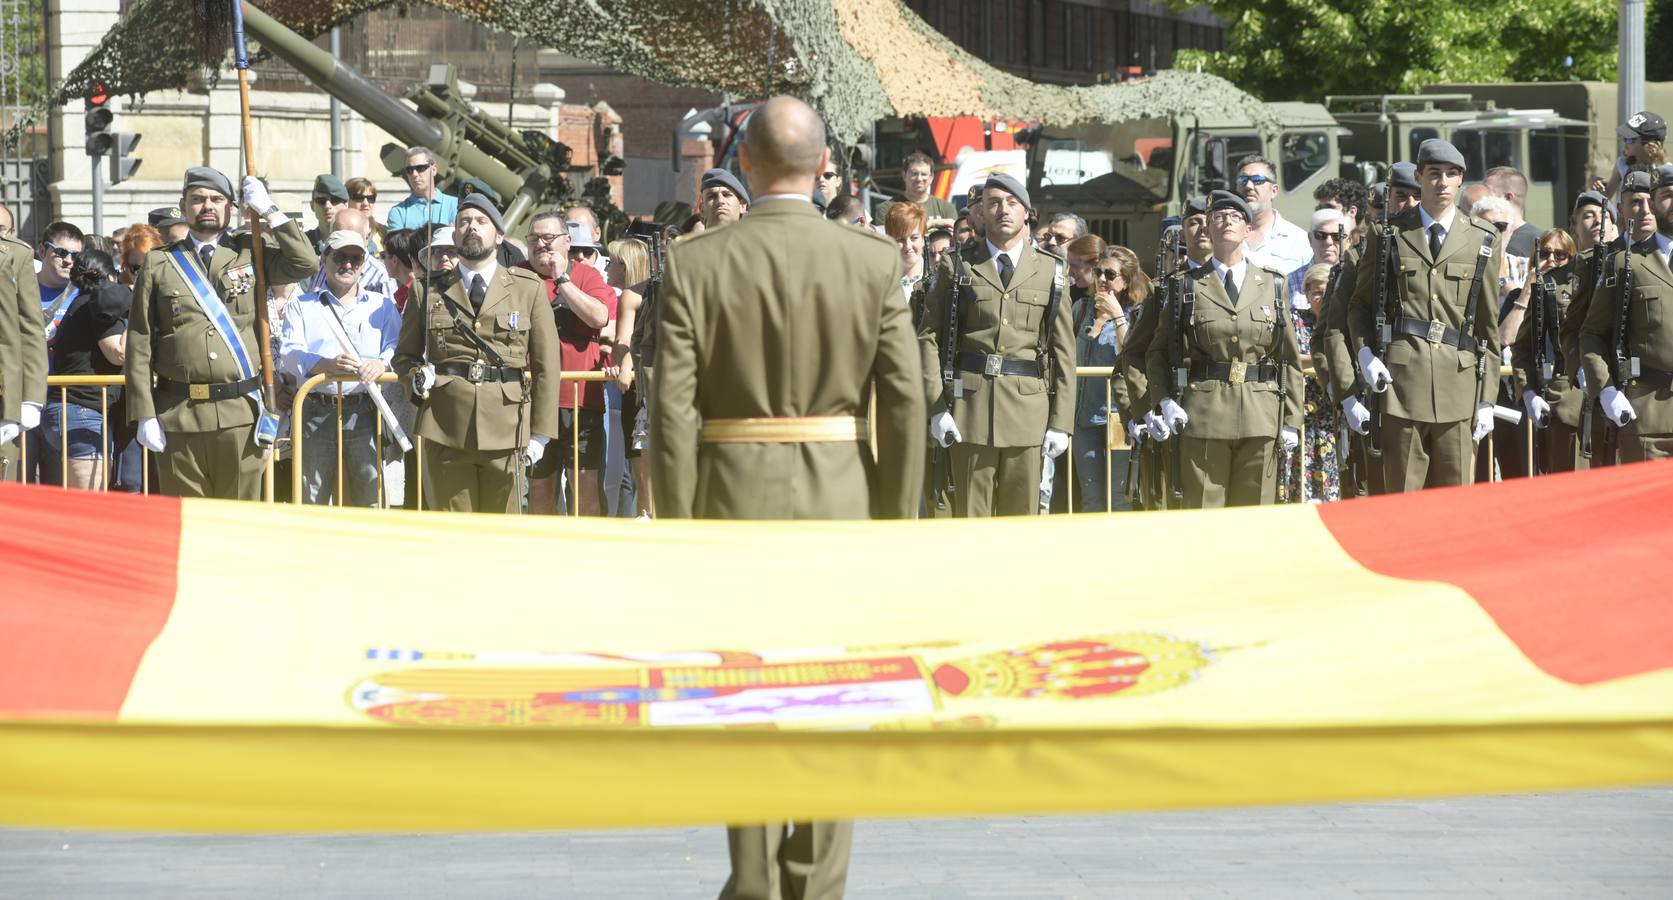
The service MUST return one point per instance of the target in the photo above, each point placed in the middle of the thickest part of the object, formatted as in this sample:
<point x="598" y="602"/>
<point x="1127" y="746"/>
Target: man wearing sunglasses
<point x="425" y="207"/>
<point x="1432" y="377"/>
<point x="330" y="198"/>
<point x="57" y="254"/>
<point x="1274" y="242"/>
<point x="193" y="328"/>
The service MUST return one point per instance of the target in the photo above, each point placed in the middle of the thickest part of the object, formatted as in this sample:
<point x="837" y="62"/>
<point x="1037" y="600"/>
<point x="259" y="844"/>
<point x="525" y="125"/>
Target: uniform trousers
<point x="461" y="480"/>
<point x="1636" y="447"/>
<point x="1220" y="473"/>
<point x="1417" y="455"/>
<point x="224" y="464"/>
<point x="788" y="861"/>
<point x="995" y="481"/>
<point x="1557" y="448"/>
<point x="1369" y="468"/>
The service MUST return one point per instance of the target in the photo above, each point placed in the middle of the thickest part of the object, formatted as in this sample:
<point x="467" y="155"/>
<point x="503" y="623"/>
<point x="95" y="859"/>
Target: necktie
<point x="206" y="253"/>
<point x="479" y="290"/>
<point x="1231" y="287"/>
<point x="1436" y="236"/>
<point x="1005" y="269"/>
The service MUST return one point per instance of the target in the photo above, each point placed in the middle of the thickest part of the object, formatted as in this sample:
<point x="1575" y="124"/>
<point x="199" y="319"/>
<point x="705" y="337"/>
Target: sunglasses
<point x="58" y="251"/>
<point x="1328" y="235"/>
<point x="1502" y="226"/>
<point x="1554" y="254"/>
<point x="355" y="260"/>
<point x="364" y="198"/>
<point x="421" y="167"/>
<point x="1632" y="140"/>
<point x="1108" y="274"/>
<point x="582" y="251"/>
<point x="827" y="175"/>
<point x="552" y="238"/>
<point x="1253" y="179"/>
<point x="1050" y="238"/>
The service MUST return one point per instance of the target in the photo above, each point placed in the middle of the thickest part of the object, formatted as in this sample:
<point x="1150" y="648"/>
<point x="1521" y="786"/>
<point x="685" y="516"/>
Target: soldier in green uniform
<point x="1543" y="377"/>
<point x="1628" y="353"/>
<point x="1637" y="222"/>
<point x="192" y="328"/>
<point x="998" y="350"/>
<point x="775" y="331"/>
<point x="1391" y="198"/>
<point x="1436" y="327"/>
<point x="1137" y="398"/>
<point x="1243" y="389"/>
<point x="480" y="346"/>
<point x="22" y="352"/>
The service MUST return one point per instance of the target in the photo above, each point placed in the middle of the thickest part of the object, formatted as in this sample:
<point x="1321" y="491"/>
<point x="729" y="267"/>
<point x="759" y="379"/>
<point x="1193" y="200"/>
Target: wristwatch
<point x="562" y="279"/>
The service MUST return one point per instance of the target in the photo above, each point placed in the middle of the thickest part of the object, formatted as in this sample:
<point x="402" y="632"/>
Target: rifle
<point x="1169" y="249"/>
<point x="1626" y="365"/>
<point x="1382" y="332"/>
<point x="941" y="469"/>
<point x="1600" y="253"/>
<point x="1184" y="317"/>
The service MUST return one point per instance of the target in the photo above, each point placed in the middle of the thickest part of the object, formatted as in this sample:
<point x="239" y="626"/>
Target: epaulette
<point x="1481" y="224"/>
<point x="1050" y="251"/>
<point x="527" y="274"/>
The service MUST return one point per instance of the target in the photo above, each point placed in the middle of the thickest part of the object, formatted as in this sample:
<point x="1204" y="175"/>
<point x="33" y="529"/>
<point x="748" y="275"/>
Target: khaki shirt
<point x="1433" y="382"/>
<point x="172" y="338"/>
<point x="1003" y="410"/>
<point x="516" y="321"/>
<point x="1256" y="329"/>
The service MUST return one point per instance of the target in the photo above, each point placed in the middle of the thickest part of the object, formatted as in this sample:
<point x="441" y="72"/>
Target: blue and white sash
<point x="56" y="313"/>
<point x="197" y="283"/>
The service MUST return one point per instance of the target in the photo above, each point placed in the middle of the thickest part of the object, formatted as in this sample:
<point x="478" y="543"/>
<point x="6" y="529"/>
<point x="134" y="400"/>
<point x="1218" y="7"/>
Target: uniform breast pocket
<point x="1030" y="309"/>
<point x="1646" y="311"/>
<point x="1214" y="329"/>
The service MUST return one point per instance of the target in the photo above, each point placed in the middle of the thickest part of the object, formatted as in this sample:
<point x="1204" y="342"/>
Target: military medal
<point x="511" y="322"/>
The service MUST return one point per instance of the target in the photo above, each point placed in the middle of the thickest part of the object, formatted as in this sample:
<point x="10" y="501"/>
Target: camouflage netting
<point x="856" y="61"/>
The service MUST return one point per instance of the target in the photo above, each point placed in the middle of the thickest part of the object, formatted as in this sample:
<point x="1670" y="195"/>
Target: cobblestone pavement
<point x="1603" y="844"/>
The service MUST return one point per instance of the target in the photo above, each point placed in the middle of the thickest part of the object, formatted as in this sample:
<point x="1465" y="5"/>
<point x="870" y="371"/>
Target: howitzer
<point x="525" y="168"/>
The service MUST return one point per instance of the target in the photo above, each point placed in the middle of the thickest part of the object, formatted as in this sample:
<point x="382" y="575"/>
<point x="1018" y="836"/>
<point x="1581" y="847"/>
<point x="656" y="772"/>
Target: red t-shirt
<point x="578" y="346"/>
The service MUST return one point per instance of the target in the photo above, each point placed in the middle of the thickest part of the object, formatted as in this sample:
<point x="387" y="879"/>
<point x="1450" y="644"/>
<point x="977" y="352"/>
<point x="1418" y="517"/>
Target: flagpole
<point x="241" y="60"/>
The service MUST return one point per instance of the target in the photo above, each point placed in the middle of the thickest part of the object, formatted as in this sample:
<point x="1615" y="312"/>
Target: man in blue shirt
<point x="312" y="343"/>
<point x="426" y="205"/>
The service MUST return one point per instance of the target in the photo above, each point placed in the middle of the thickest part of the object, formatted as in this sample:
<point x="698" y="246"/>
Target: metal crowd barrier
<point x="1115" y="438"/>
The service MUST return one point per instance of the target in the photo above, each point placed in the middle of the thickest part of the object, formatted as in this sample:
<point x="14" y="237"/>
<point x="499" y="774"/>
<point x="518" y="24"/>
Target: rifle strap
<point x="950" y="336"/>
<point x="1488" y="241"/>
<point x="1043" y="342"/>
<point x="488" y="353"/>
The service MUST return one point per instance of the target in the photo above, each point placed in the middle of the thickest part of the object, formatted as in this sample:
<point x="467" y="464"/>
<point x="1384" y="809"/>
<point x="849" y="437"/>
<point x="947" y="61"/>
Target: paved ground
<point x="1583" y="845"/>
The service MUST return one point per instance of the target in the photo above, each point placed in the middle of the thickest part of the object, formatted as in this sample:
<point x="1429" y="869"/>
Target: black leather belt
<point x="1655" y="378"/>
<point x="1233" y="373"/>
<point x="1434" y="333"/>
<point x="478" y="372"/>
<point x="224" y="391"/>
<point x="991" y="364"/>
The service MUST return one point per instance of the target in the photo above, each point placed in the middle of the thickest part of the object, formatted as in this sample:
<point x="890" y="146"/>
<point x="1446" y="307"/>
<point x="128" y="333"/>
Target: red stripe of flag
<point x="1571" y="567"/>
<point x="86" y="584"/>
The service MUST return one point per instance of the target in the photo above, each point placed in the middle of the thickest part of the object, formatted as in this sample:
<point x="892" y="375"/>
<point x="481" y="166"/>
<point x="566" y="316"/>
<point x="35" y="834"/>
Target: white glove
<point x="1174" y="417"/>
<point x="1376" y="374"/>
<point x="423" y="379"/>
<point x="536" y="448"/>
<point x="1359" y="418"/>
<point x="1616" y="406"/>
<point x="1055" y="444"/>
<point x="1292" y="438"/>
<point x="30" y="416"/>
<point x="1158" y="429"/>
<point x="1580" y="379"/>
<point x="944" y="430"/>
<point x="1538" y="410"/>
<point x="257" y="198"/>
<point x="1483" y="421"/>
<point x="9" y="431"/>
<point x="1136" y="431"/>
<point x="151" y="435"/>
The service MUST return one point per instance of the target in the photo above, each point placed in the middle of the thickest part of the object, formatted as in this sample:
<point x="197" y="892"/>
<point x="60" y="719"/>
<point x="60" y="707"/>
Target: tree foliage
<point x="1305" y="49"/>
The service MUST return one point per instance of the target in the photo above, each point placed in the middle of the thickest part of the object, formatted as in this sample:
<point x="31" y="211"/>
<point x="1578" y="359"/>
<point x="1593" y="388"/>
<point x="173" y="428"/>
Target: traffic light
<point x="99" y="118"/>
<point x="122" y="163"/>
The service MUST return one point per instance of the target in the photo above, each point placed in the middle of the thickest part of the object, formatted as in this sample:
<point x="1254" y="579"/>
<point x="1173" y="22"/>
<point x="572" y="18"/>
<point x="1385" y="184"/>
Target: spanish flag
<point x="217" y="666"/>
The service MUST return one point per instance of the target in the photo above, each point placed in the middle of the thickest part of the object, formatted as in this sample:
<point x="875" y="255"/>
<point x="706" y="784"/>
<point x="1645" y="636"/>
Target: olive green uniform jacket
<point x="1649" y="336"/>
<point x="22" y="332"/>
<point x="783" y="314"/>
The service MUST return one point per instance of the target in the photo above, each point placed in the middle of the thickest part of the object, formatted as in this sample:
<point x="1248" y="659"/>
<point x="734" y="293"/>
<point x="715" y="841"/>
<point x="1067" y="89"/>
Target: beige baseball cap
<point x="337" y="240"/>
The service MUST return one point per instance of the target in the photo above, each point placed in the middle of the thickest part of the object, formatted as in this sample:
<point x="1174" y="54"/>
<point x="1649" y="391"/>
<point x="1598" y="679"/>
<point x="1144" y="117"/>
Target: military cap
<point x="1229" y="200"/>
<point x="1403" y="175"/>
<point x="205" y="177"/>
<point x="1379" y="195"/>
<point x="1438" y="152"/>
<point x="165" y="217"/>
<point x="481" y="203"/>
<point x="1196" y="206"/>
<point x="1638" y="181"/>
<point x="1645" y="126"/>
<point x="332" y="187"/>
<point x="1664" y="176"/>
<point x="1590" y="198"/>
<point x="726" y="180"/>
<point x="1009" y="185"/>
<point x="477" y="186"/>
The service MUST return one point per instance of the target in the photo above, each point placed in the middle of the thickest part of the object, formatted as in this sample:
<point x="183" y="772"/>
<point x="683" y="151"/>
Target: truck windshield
<point x="1128" y="161"/>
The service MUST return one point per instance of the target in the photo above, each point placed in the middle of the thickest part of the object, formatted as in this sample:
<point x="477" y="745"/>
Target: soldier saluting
<point x="1628" y="350"/>
<point x="1424" y="327"/>
<point x="480" y="346"/>
<point x="998" y="348"/>
<point x="1226" y="366"/>
<point x="192" y="327"/>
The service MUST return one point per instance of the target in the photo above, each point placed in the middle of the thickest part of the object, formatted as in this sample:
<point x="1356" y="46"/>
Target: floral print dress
<point x="1318" y="439"/>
